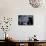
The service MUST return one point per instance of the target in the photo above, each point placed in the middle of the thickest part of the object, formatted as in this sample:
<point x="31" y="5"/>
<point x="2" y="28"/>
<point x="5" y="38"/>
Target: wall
<point x="12" y="8"/>
<point x="45" y="29"/>
<point x="7" y="9"/>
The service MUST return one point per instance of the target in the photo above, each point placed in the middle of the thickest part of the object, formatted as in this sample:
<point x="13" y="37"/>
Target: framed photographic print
<point x="25" y="19"/>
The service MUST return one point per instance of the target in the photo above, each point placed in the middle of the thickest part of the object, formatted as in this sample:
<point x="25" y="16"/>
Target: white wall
<point x="45" y="28"/>
<point x="24" y="32"/>
<point x="13" y="8"/>
<point x="7" y="9"/>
